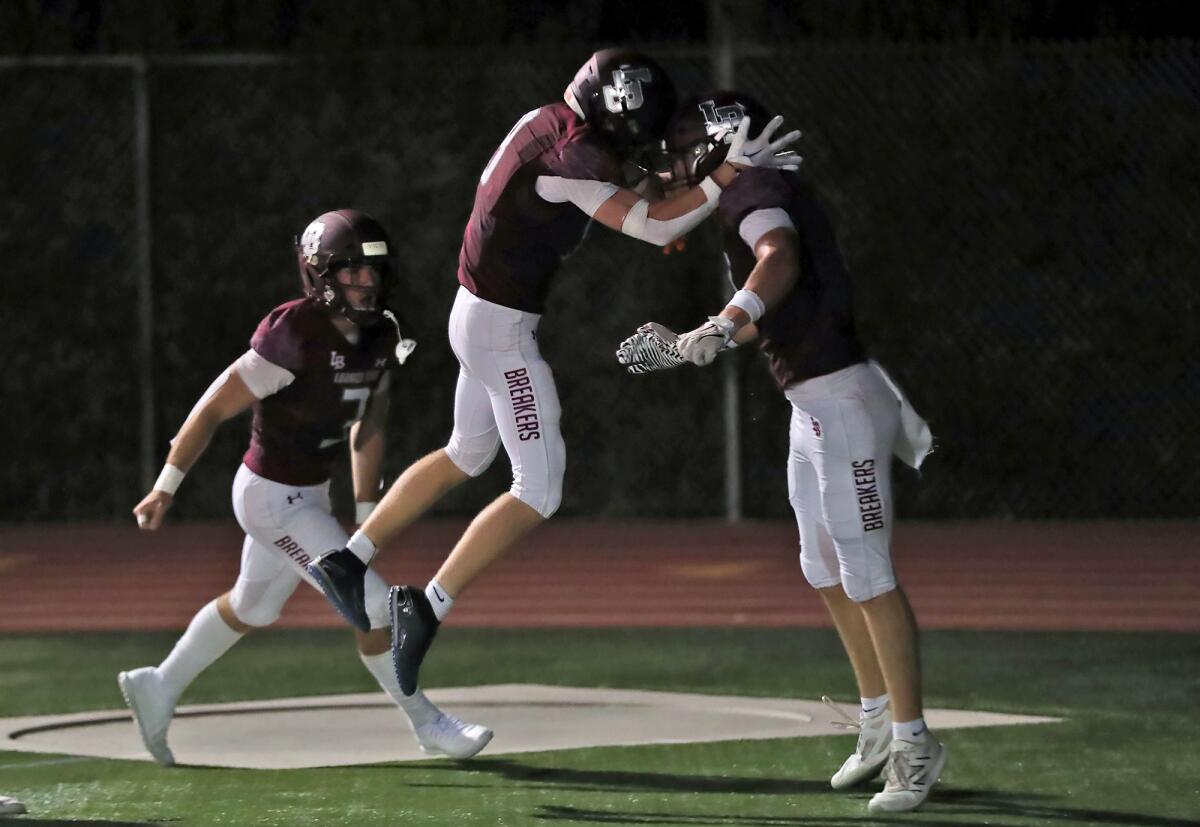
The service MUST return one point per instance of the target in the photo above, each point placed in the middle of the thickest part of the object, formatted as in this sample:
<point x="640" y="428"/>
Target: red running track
<point x="969" y="575"/>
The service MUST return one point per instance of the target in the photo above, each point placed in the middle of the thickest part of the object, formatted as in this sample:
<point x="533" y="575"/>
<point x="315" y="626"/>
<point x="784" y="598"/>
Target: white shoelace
<point x="847" y="722"/>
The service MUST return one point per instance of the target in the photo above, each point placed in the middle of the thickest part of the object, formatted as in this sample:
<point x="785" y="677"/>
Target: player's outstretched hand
<point x="152" y="509"/>
<point x="651" y="348"/>
<point x="762" y="151"/>
<point x="701" y="346"/>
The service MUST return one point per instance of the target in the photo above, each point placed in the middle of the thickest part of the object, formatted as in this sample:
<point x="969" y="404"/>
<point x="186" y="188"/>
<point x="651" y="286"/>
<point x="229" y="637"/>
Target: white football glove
<point x="701" y="346"/>
<point x="651" y="348"/>
<point x="762" y="152"/>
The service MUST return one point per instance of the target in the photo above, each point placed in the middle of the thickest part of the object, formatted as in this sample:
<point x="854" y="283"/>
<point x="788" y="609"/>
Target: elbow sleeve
<point x="639" y="225"/>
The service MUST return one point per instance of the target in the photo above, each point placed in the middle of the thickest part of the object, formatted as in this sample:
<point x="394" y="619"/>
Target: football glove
<point x="651" y="348"/>
<point x="762" y="152"/>
<point x="701" y="346"/>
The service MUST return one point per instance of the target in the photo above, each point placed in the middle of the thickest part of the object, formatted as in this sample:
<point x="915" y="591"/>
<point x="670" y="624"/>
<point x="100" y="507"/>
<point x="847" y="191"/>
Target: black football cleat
<point x="413" y="627"/>
<point x="342" y="576"/>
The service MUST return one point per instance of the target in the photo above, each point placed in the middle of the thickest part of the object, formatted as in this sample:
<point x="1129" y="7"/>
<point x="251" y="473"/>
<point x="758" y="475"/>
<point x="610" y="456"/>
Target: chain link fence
<point x="1019" y="222"/>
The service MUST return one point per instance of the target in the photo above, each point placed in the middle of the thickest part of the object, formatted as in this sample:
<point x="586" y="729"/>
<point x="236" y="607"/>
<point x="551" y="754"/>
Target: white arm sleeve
<point x="760" y="222"/>
<point x="585" y="194"/>
<point x="638" y="223"/>
<point x="263" y="378"/>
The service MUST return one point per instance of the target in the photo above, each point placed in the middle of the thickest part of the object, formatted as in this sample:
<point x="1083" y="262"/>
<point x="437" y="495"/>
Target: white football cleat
<point x="151" y="708"/>
<point x="871" y="752"/>
<point x="446" y="735"/>
<point x="912" y="769"/>
<point x="9" y="806"/>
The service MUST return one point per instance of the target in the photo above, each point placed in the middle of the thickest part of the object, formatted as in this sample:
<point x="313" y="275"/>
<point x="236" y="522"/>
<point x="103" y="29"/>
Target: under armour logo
<point x="625" y="93"/>
<point x="299" y="495"/>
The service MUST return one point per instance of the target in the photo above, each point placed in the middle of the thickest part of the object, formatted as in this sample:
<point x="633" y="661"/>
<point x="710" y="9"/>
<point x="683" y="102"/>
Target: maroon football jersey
<point x="515" y="240"/>
<point x="811" y="331"/>
<point x="298" y="431"/>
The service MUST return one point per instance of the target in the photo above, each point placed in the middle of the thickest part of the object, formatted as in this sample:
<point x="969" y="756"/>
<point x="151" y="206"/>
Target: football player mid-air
<point x="558" y="169"/>
<point x="793" y="293"/>
<point x="316" y="376"/>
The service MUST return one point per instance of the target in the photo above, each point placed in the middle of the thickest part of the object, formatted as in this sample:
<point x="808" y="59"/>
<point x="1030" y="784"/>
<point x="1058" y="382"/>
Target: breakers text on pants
<point x="870" y="507"/>
<point x="520" y="390"/>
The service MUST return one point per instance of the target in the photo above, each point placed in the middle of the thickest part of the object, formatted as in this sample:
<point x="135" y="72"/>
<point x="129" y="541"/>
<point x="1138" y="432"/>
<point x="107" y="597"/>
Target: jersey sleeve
<point x="582" y="158"/>
<point x="279" y="341"/>
<point x="261" y="376"/>
<point x="760" y="222"/>
<point x="753" y="189"/>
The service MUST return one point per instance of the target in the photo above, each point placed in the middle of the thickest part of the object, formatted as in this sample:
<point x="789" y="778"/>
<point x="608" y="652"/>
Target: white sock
<point x="207" y="637"/>
<point x="908" y="730"/>
<point x="874" y="706"/>
<point x="439" y="599"/>
<point x="420" y="710"/>
<point x="361" y="546"/>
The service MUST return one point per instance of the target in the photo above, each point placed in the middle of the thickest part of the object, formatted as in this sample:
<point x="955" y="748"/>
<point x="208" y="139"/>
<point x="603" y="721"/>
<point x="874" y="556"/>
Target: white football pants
<point x="287" y="527"/>
<point x="843" y="431"/>
<point x="506" y="395"/>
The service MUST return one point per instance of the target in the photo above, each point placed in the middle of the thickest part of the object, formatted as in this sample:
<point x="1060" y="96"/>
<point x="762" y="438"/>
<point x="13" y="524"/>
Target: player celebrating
<point x="848" y="418"/>
<point x="558" y="168"/>
<point x="316" y="375"/>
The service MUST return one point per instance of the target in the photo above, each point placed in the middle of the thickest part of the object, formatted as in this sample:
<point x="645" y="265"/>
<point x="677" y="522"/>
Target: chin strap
<point x="404" y="347"/>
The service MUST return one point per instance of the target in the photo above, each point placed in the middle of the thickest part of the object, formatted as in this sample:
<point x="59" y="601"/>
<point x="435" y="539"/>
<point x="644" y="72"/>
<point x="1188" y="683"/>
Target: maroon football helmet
<point x="344" y="238"/>
<point x="697" y="137"/>
<point x="625" y="95"/>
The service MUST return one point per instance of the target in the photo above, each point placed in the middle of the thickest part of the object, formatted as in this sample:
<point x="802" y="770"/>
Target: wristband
<point x="748" y="302"/>
<point x="169" y="479"/>
<point x="362" y="510"/>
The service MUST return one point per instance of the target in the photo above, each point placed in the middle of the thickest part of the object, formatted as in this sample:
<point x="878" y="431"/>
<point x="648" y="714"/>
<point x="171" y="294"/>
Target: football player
<point x="316" y="376"/>
<point x="793" y="293"/>
<point x="558" y="169"/>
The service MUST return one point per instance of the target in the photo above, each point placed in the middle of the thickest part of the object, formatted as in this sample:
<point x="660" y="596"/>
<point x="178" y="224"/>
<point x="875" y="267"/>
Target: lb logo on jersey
<point x="816" y="426"/>
<point x="310" y="242"/>
<point x="625" y="94"/>
<point x="336" y="360"/>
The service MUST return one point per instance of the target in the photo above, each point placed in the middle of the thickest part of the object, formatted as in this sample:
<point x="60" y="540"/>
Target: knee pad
<point x="253" y="604"/>
<point x="473" y="454"/>
<point x="543" y="496"/>
<point x="817" y="571"/>
<point x="861" y="589"/>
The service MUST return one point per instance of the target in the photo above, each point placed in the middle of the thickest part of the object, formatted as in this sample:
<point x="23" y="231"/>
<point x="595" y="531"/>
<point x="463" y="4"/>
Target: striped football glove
<point x="651" y="348"/>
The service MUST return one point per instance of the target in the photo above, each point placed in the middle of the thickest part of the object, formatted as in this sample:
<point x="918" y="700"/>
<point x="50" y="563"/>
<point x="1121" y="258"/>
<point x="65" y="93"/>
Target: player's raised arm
<point x="662" y="222"/>
<point x="249" y="378"/>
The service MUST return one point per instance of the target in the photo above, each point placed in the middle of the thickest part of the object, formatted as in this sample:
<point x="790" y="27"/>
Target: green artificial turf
<point x="1124" y="755"/>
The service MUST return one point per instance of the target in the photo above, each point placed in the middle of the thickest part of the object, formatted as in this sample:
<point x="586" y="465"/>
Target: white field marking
<point x="348" y="730"/>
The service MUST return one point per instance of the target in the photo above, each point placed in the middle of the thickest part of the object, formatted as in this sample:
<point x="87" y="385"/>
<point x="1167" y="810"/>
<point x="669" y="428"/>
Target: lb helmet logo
<point x="310" y="242"/>
<point x="625" y="93"/>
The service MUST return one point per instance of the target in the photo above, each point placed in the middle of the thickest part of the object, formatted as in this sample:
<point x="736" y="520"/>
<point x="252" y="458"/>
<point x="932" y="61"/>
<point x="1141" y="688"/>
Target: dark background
<point x="1015" y="187"/>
